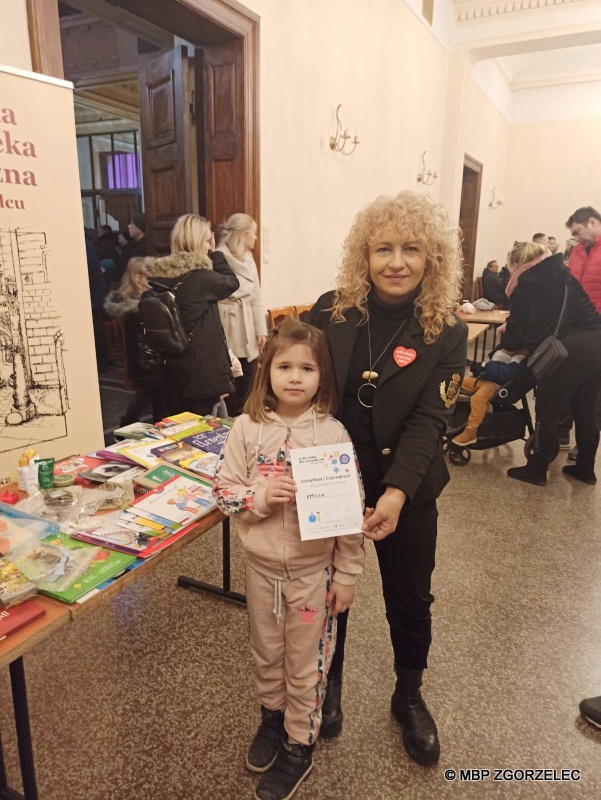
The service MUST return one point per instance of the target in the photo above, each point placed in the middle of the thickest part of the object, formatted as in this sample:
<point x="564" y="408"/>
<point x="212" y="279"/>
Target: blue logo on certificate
<point x="344" y="459"/>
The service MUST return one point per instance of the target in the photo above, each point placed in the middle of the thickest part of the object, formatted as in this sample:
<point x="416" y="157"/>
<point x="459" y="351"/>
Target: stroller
<point x="505" y="423"/>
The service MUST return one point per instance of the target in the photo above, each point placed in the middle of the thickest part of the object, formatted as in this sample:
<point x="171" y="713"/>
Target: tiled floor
<point x="151" y="697"/>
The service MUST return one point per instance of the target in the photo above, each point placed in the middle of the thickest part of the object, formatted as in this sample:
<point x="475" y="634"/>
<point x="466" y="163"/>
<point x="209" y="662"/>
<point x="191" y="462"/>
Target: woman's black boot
<point x="331" y="710"/>
<point x="420" y="736"/>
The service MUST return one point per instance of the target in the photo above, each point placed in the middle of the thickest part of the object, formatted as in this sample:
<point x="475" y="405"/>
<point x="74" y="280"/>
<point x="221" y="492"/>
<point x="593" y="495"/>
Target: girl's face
<point x="396" y="265"/>
<point x="249" y="238"/>
<point x="294" y="377"/>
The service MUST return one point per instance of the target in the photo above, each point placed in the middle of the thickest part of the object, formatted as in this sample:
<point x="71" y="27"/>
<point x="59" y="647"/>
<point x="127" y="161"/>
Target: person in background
<point x="145" y="367"/>
<point x="294" y="588"/>
<point x="242" y="314"/>
<point x="137" y="242"/>
<point x="201" y="376"/>
<point x="585" y="266"/>
<point x="399" y="355"/>
<point x="541" y="238"/>
<point x="536" y="301"/>
<point x="97" y="294"/>
<point x="493" y="287"/>
<point x="553" y="245"/>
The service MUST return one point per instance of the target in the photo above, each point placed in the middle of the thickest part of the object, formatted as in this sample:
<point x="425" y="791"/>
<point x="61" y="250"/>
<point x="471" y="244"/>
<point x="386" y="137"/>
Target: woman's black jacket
<point x="535" y="306"/>
<point x="203" y="372"/>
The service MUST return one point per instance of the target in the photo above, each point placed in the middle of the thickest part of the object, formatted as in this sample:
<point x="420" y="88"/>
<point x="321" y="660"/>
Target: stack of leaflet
<point x="153" y="521"/>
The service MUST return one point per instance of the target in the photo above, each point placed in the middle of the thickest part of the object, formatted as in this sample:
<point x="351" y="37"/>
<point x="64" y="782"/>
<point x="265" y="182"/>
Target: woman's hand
<point x="340" y="597"/>
<point x="381" y="521"/>
<point x="261" y="342"/>
<point x="280" y="491"/>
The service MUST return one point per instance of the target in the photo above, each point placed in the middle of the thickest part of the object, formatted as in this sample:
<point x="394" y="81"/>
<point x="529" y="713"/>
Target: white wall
<point x="553" y="168"/>
<point x="390" y="74"/>
<point x="14" y="35"/>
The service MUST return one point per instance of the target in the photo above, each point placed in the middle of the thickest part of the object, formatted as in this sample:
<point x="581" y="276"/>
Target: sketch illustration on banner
<point x="33" y="389"/>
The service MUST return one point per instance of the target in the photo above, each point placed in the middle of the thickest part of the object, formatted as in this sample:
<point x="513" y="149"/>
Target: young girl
<point x="145" y="367"/>
<point x="294" y="588"/>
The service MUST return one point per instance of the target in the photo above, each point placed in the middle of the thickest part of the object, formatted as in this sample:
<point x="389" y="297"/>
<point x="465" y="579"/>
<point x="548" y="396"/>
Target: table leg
<point x="21" y="712"/>
<point x="224" y="590"/>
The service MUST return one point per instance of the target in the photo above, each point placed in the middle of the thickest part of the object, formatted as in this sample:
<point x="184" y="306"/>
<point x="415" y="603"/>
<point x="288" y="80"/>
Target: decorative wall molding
<point x="468" y="10"/>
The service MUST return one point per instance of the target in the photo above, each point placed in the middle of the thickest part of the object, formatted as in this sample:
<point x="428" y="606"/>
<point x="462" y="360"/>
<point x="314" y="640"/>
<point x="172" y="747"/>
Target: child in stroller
<point x="504" y="382"/>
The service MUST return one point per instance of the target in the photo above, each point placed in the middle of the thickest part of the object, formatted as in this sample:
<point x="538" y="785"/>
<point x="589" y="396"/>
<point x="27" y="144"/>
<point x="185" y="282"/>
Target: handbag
<point x="550" y="353"/>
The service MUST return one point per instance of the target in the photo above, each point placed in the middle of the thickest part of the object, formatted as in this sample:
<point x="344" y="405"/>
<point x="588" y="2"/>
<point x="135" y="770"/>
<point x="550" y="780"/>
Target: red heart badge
<point x="403" y="357"/>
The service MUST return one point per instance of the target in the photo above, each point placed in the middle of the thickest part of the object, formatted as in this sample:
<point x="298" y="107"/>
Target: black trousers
<point x="406" y="559"/>
<point x="235" y="401"/>
<point x="576" y="384"/>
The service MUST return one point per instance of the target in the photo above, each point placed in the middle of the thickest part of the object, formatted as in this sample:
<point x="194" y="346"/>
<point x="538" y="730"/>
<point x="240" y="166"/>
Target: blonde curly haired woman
<point x="399" y="354"/>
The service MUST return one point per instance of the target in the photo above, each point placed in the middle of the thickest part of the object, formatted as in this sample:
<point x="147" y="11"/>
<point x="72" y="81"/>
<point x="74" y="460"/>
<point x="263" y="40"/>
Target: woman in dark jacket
<point x="493" y="286"/>
<point x="202" y="375"/>
<point x="399" y="354"/>
<point x="145" y="367"/>
<point x="536" y="300"/>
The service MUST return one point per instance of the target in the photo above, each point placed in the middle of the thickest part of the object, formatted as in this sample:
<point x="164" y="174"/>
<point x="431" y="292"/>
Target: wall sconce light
<point x="495" y="202"/>
<point x="339" y="141"/>
<point x="427" y="176"/>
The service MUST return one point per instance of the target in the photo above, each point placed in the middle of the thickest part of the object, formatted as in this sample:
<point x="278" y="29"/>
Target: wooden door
<point x="468" y="220"/>
<point x="222" y="177"/>
<point x="168" y="146"/>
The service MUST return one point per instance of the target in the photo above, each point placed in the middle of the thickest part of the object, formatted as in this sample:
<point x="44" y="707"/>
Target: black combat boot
<point x="292" y="765"/>
<point x="264" y="747"/>
<point x="420" y="736"/>
<point x="331" y="710"/>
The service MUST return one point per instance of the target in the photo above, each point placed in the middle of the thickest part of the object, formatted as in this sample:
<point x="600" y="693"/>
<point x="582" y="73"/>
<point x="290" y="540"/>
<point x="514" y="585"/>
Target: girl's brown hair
<point x="262" y="398"/>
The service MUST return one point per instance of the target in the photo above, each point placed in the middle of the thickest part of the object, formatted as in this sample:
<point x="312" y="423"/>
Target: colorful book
<point x="204" y="466"/>
<point x="106" y="564"/>
<point x="75" y="465"/>
<point x="157" y="475"/>
<point x="176" y="453"/>
<point x="15" y="618"/>
<point x="180" y="500"/>
<point x="209" y="441"/>
<point x="185" y="416"/>
<point x="127" y="541"/>
<point x="141" y="453"/>
<point x="138" y="430"/>
<point x="110" y="471"/>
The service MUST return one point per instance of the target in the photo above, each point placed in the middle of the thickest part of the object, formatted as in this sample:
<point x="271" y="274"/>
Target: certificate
<point x="327" y="490"/>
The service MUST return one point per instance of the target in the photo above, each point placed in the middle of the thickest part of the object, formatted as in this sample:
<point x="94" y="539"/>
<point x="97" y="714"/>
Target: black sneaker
<point x="264" y="747"/>
<point x="591" y="710"/>
<point x="584" y="475"/>
<point x="292" y="765"/>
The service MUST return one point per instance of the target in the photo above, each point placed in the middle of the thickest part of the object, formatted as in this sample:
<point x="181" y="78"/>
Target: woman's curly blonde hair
<point x="419" y="218"/>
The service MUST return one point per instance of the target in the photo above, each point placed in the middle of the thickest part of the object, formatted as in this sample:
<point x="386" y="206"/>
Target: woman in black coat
<point x="399" y="354"/>
<point x="536" y="298"/>
<point x="145" y="367"/>
<point x="202" y="375"/>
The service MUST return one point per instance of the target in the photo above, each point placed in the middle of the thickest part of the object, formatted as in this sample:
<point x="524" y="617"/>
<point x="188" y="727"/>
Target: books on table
<point x="210" y="441"/>
<point x="138" y="430"/>
<point x="106" y="564"/>
<point x="17" y="617"/>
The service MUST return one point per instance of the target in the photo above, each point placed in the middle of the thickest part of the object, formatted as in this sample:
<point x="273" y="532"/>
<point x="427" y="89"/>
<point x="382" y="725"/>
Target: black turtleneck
<point x="385" y="320"/>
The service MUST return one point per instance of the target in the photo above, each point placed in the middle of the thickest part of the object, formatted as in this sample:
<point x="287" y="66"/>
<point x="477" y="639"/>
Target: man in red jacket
<point x="585" y="266"/>
<point x="585" y="260"/>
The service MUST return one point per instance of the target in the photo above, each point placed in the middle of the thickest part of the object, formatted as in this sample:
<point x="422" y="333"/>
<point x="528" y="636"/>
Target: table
<point x="12" y="650"/>
<point x="58" y="614"/>
<point x="474" y="331"/>
<point x="490" y="318"/>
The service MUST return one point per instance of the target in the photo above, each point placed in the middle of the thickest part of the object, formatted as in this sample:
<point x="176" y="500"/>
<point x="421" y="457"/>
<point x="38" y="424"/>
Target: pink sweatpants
<point x="292" y="640"/>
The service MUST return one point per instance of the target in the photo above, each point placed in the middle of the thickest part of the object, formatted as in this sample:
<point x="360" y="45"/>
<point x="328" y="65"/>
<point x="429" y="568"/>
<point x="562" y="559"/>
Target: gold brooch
<point x="449" y="396"/>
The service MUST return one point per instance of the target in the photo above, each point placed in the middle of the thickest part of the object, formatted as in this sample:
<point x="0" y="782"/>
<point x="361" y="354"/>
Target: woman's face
<point x="141" y="282"/>
<point x="396" y="265"/>
<point x="250" y="238"/>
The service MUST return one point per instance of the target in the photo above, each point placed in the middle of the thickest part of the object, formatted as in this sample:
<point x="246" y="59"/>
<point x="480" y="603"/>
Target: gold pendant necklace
<point x="365" y="393"/>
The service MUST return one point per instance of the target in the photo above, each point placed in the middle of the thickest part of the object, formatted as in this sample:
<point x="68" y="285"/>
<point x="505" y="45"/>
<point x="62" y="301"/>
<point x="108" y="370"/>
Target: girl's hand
<point x="383" y="519"/>
<point x="340" y="597"/>
<point x="279" y="491"/>
<point x="261" y="342"/>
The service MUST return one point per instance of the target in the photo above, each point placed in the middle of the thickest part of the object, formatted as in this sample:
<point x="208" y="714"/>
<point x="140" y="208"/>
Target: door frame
<point x="476" y="167"/>
<point x="223" y="19"/>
